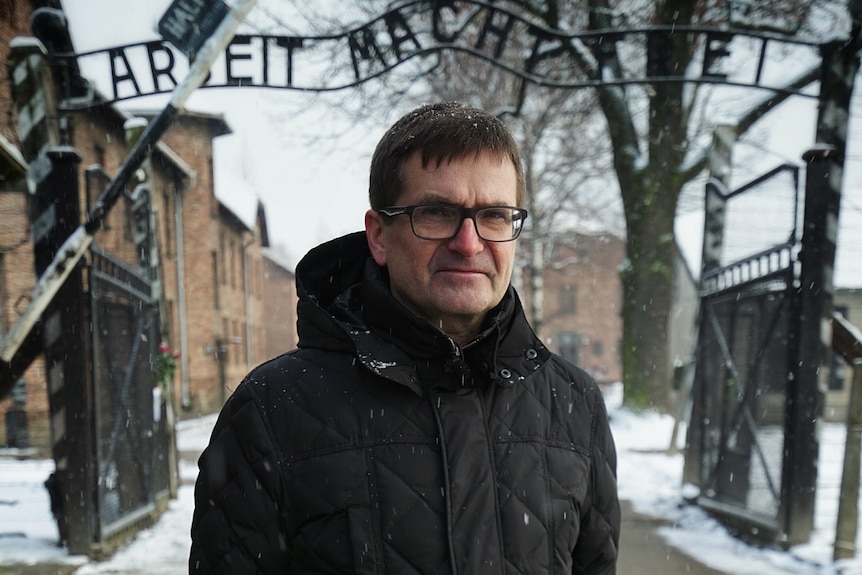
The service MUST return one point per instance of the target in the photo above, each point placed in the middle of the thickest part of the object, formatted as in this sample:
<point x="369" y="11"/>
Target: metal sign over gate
<point x="540" y="55"/>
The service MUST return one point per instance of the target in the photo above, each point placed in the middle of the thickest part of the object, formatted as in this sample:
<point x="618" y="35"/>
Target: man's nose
<point x="467" y="241"/>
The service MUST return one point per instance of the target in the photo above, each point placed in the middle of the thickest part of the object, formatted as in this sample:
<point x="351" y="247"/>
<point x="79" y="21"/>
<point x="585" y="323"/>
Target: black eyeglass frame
<point x="466" y="213"/>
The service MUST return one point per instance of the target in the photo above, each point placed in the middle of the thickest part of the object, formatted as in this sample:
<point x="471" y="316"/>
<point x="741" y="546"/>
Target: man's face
<point x="452" y="283"/>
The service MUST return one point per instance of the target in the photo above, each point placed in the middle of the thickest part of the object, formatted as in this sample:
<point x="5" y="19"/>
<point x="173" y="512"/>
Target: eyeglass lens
<point x="442" y="222"/>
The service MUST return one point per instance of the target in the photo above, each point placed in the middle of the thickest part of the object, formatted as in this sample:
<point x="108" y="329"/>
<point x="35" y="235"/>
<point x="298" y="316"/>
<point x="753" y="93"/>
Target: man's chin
<point x="464" y="307"/>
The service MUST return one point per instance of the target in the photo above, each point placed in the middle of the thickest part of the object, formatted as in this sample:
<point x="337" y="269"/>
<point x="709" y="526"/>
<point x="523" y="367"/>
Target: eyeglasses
<point x="442" y="222"/>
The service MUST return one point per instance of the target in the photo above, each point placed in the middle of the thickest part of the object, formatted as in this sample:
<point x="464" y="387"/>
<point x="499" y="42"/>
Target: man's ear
<point x="374" y="231"/>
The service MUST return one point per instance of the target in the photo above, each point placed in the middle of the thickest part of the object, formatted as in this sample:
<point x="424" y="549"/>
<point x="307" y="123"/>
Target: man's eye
<point x="496" y="215"/>
<point x="437" y="212"/>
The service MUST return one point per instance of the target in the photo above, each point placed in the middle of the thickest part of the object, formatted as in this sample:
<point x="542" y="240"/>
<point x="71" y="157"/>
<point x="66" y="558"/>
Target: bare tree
<point x="657" y="150"/>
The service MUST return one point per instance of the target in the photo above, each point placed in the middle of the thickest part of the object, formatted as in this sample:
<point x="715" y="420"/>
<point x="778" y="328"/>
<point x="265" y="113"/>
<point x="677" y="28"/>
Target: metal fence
<point x="747" y="378"/>
<point x="131" y="438"/>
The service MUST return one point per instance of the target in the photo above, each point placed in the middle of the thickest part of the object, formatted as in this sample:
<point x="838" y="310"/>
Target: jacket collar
<point x="345" y="304"/>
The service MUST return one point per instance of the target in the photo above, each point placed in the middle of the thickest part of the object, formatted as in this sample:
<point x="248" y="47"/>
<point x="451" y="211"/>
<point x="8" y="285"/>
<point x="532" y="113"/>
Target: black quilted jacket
<point x="379" y="446"/>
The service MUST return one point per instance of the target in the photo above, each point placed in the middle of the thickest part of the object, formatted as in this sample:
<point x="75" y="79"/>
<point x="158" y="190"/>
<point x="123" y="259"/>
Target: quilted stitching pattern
<point x="322" y="463"/>
<point x="390" y="464"/>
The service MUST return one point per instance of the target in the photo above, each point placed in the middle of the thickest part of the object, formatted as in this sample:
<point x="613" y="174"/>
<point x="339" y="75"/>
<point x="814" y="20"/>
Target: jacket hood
<point x="345" y="305"/>
<point x="326" y="273"/>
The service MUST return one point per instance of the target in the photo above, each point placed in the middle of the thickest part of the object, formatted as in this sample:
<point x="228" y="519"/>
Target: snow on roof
<point x="237" y="195"/>
<point x="276" y="255"/>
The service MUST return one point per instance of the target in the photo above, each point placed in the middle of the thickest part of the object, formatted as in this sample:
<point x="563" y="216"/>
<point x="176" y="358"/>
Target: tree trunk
<point x="647" y="297"/>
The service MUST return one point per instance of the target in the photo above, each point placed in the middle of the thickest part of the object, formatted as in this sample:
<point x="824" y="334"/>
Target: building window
<point x="231" y="258"/>
<point x="225" y="342"/>
<point x="214" y="257"/>
<point x="235" y="258"/>
<point x="569" y="346"/>
<point x="222" y="247"/>
<point x="169" y="320"/>
<point x="2" y="292"/>
<point x="6" y="12"/>
<point x="246" y="359"/>
<point x="243" y="262"/>
<point x="96" y="179"/>
<point x="99" y="155"/>
<point x="168" y="220"/>
<point x="568" y="299"/>
<point x="598" y="348"/>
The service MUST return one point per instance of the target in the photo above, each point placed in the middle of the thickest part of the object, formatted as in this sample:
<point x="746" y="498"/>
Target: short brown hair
<point x="440" y="132"/>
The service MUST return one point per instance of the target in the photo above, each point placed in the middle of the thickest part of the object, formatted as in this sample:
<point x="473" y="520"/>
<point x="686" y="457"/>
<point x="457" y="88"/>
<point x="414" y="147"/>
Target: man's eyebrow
<point x="436" y="199"/>
<point x="442" y="200"/>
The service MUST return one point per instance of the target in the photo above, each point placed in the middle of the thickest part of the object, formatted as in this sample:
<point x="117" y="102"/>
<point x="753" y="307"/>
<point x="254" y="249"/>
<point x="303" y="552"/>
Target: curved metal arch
<point x="419" y="28"/>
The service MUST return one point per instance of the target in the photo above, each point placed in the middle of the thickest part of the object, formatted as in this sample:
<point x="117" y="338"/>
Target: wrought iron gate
<point x="131" y="437"/>
<point x="747" y="363"/>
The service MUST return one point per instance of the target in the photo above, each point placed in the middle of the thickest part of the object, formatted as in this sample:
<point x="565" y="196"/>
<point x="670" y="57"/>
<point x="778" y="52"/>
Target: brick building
<point x="16" y="251"/>
<point x="279" y="285"/>
<point x="221" y="329"/>
<point x="215" y="270"/>
<point x="16" y="285"/>
<point x="583" y="303"/>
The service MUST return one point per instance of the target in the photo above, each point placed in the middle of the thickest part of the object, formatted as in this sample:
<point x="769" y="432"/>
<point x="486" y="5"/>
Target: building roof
<point x="233" y="219"/>
<point x="216" y="123"/>
<point x="278" y="258"/>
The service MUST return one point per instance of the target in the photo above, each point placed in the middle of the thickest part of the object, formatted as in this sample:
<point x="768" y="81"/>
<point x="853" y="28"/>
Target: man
<point x="421" y="426"/>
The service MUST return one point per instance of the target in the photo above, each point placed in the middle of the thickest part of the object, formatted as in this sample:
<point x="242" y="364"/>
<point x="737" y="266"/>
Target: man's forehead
<point x="432" y="158"/>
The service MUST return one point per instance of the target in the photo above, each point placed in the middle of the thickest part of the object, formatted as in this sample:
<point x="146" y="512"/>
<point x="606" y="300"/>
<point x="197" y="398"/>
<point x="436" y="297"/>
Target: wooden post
<point x="848" y="511"/>
<point x="715" y="204"/>
<point x="847" y="341"/>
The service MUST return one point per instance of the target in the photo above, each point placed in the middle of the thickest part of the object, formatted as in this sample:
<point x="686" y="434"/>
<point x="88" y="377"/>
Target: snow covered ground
<point x="649" y="477"/>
